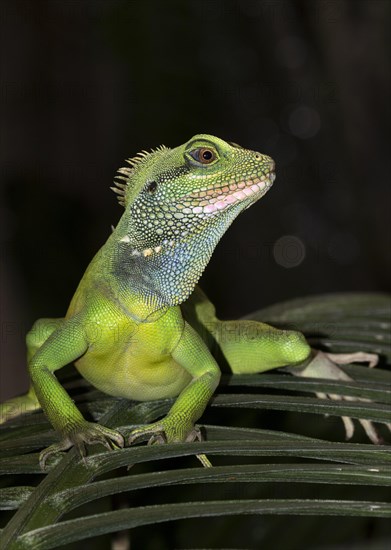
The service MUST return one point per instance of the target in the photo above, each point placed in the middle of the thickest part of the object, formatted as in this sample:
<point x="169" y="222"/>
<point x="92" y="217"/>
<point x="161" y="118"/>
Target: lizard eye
<point x="151" y="187"/>
<point x="204" y="155"/>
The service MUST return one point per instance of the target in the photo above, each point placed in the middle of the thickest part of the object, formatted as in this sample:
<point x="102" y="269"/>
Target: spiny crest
<point x="122" y="180"/>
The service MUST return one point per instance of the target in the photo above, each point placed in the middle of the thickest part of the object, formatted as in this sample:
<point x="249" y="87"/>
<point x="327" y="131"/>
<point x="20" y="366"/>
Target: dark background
<point x="85" y="84"/>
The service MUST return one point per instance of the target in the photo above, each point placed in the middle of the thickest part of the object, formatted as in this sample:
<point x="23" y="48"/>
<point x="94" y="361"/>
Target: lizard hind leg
<point x="39" y="333"/>
<point x="251" y="347"/>
<point x="246" y="346"/>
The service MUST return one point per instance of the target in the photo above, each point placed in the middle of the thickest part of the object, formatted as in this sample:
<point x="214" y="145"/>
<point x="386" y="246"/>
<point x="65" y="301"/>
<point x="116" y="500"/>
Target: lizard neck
<point x="154" y="278"/>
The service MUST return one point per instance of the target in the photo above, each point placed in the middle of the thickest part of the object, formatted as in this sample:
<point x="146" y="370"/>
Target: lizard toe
<point x="54" y="449"/>
<point x="326" y="365"/>
<point x="87" y="434"/>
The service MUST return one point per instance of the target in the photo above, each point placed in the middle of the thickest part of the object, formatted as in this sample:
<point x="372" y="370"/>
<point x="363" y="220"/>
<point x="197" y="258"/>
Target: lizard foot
<point x="88" y="434"/>
<point x="325" y="365"/>
<point x="170" y="430"/>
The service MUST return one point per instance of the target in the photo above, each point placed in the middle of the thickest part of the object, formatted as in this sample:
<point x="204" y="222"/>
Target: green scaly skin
<point x="138" y="326"/>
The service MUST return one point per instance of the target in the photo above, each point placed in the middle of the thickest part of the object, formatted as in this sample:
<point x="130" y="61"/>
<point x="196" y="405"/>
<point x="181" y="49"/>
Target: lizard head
<point x="169" y="192"/>
<point x="179" y="202"/>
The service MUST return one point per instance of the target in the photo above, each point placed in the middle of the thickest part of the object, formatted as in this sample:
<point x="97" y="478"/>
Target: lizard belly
<point x="133" y="376"/>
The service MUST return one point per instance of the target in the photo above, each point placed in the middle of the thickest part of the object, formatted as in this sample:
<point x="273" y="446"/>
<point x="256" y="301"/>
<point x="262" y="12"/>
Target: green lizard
<point x="138" y="325"/>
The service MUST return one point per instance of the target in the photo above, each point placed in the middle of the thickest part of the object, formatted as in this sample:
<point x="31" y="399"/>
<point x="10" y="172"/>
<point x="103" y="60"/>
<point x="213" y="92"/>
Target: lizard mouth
<point x="216" y="200"/>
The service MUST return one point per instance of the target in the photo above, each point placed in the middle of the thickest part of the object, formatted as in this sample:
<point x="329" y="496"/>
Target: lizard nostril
<point x="269" y="162"/>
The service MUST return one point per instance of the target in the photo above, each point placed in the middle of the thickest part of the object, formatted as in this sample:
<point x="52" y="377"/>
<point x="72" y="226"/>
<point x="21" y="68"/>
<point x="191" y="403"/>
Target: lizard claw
<point x="88" y="434"/>
<point x="168" y="430"/>
<point x="325" y="365"/>
<point x="160" y="438"/>
<point x="356" y="357"/>
<point x="368" y="426"/>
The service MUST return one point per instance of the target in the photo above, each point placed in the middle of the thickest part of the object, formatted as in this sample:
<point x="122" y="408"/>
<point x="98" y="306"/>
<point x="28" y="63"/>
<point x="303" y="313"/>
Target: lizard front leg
<point x="178" y="426"/>
<point x="66" y="344"/>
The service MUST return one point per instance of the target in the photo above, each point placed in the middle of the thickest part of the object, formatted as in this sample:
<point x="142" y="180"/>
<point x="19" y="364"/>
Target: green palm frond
<point x="274" y="455"/>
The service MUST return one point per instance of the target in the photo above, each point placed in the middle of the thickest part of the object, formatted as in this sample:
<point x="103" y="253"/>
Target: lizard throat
<point x="164" y="271"/>
<point x="203" y="205"/>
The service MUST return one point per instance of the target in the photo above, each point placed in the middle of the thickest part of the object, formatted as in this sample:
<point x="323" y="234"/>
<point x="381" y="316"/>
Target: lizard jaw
<point x="254" y="189"/>
<point x="209" y="203"/>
